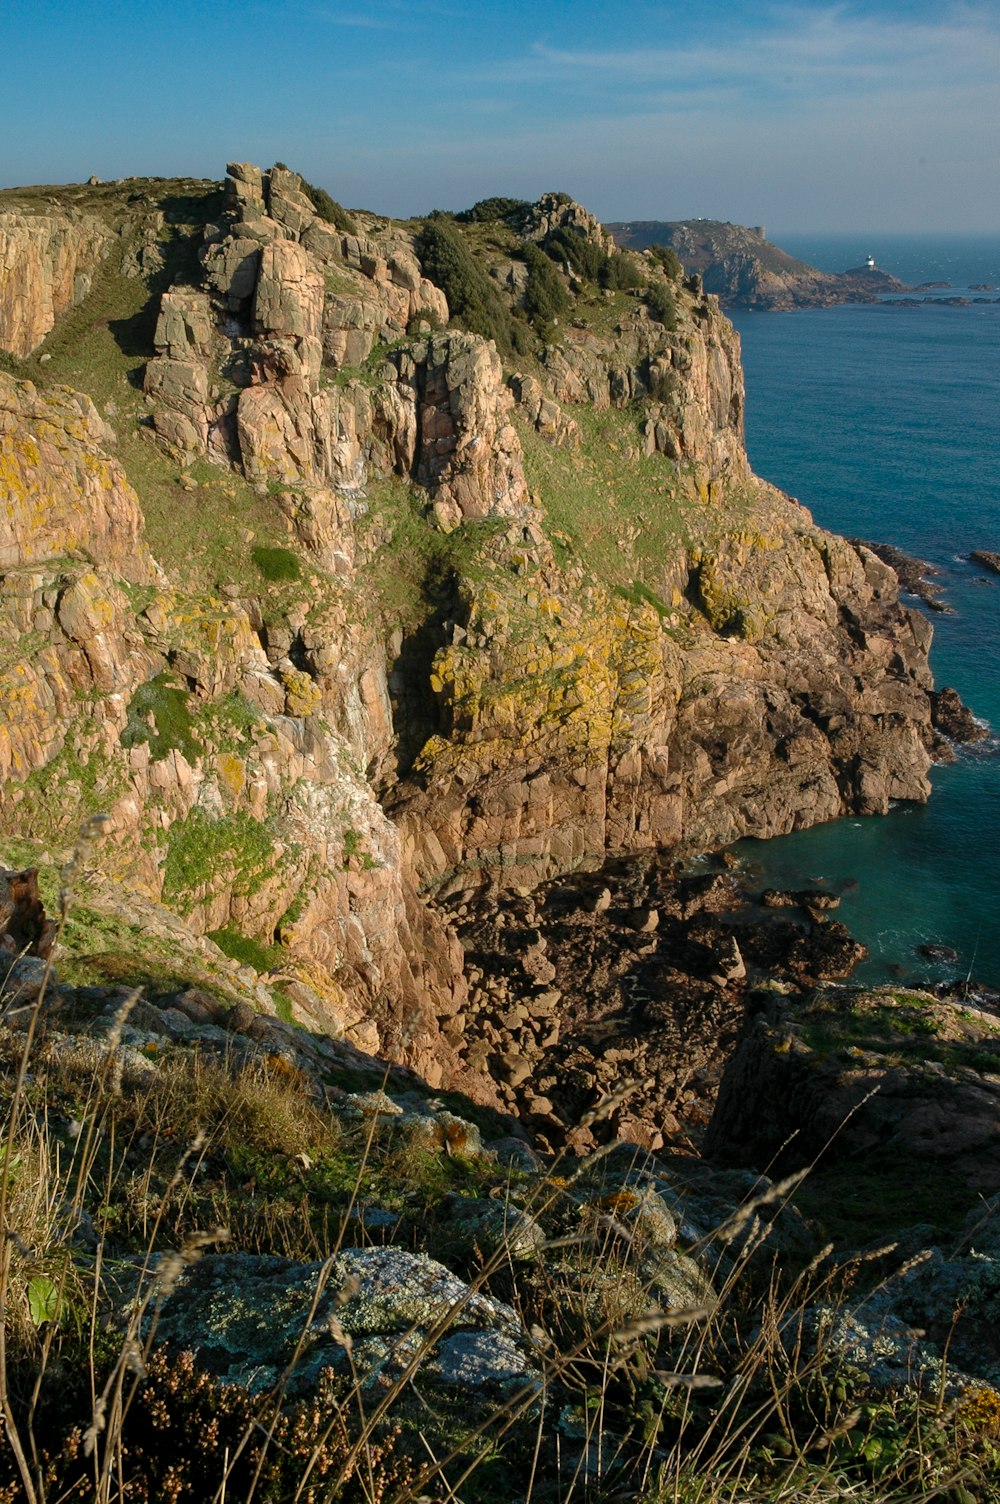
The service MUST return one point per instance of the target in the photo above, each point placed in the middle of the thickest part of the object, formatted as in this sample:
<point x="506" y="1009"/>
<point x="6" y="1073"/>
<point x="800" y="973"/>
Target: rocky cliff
<point x="428" y="611"/>
<point x="46" y="266"/>
<point x="745" y="270"/>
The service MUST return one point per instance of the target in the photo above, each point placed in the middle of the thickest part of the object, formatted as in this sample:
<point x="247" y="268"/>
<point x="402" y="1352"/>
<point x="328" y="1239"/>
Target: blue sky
<point x="804" y="117"/>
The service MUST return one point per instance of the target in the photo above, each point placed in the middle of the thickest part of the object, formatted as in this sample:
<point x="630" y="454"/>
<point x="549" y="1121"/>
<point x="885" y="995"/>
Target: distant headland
<point x="746" y="270"/>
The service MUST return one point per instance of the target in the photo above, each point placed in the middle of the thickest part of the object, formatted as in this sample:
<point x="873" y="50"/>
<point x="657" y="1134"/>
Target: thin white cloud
<point x="798" y="51"/>
<point x="387" y="15"/>
<point x="349" y="18"/>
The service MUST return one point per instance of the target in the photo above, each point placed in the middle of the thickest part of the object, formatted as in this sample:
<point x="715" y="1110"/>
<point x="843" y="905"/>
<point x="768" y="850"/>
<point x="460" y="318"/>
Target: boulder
<point x="244" y="1316"/>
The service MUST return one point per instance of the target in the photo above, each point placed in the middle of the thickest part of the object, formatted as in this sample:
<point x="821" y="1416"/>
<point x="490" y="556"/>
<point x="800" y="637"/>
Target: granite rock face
<point x="290" y="294"/>
<point x="467" y="454"/>
<point x="797" y="692"/>
<point x="48" y="262"/>
<point x="62" y="490"/>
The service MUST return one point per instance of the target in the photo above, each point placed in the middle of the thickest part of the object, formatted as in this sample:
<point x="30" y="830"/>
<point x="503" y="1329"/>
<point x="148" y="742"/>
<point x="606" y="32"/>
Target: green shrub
<point x="236" y="851"/>
<point x="666" y="257"/>
<point x="159" y="715"/>
<point x="506" y="210"/>
<point x="247" y="951"/>
<point x="574" y="248"/>
<point x="521" y="338"/>
<point x="472" y="298"/>
<point x="276" y="564"/>
<point x="621" y="273"/>
<point x="546" y="297"/>
<point x="661" y="305"/>
<point x="329" y="210"/>
<point x="423" y="316"/>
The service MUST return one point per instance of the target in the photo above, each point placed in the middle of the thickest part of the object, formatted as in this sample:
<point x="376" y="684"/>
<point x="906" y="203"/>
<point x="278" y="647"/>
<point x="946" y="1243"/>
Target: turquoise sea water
<point x="885" y="422"/>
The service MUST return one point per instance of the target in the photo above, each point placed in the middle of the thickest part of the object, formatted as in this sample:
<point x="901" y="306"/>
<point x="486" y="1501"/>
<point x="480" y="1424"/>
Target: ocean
<point x="885" y="422"/>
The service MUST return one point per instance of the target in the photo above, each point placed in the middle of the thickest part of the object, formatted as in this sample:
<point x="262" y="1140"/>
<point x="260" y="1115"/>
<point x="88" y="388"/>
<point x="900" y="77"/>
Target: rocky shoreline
<point x="634" y="980"/>
<point x="915" y="576"/>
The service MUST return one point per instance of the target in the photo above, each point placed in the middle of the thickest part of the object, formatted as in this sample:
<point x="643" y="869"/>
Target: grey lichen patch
<point x="398" y="1290"/>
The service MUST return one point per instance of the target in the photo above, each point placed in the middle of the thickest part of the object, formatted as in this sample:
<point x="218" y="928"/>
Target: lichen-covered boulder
<point x="60" y="491"/>
<point x="248" y="1318"/>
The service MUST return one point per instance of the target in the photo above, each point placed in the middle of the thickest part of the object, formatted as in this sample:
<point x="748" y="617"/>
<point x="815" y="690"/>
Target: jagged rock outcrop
<point x="556" y="211"/>
<point x="444" y="421"/>
<point x="466" y="452"/>
<point x="543" y="412"/>
<point x="47" y="263"/>
<point x="690" y="382"/>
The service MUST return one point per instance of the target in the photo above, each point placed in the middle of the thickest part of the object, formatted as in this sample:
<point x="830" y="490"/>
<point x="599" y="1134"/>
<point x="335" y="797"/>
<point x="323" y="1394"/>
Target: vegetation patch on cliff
<point x="201" y="847"/>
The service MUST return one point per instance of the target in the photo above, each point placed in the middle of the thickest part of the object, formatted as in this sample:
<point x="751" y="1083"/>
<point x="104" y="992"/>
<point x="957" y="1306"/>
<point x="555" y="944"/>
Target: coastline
<point x="904" y="459"/>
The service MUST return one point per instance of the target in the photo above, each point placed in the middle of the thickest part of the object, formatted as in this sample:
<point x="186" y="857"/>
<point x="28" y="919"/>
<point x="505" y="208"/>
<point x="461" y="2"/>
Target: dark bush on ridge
<point x="472" y="298"/>
<point x="661" y="305"/>
<point x="621" y="273"/>
<point x="667" y="257"/>
<point x="545" y="295"/>
<point x="618" y="272"/>
<point x="329" y="210"/>
<point x="487" y="209"/>
<point x="579" y="253"/>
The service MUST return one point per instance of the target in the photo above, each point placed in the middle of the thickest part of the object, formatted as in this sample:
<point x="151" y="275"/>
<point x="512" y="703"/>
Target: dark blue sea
<point x="885" y="422"/>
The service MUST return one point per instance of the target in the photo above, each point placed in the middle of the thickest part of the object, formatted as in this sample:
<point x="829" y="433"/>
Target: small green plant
<point x="354" y="848"/>
<point x="276" y="564"/>
<point x="662" y="305"/>
<point x="159" y="715"/>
